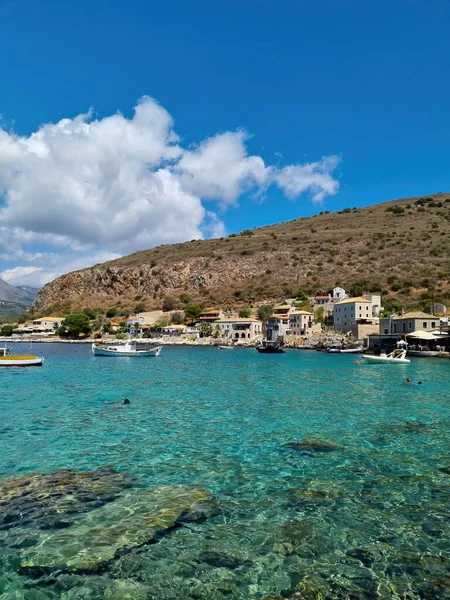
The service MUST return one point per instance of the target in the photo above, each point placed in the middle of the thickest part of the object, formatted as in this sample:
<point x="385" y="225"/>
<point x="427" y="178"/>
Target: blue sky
<point x="366" y="82"/>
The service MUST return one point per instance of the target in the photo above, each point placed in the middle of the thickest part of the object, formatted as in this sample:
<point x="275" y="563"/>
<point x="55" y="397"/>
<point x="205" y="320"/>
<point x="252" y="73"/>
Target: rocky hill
<point x="401" y="247"/>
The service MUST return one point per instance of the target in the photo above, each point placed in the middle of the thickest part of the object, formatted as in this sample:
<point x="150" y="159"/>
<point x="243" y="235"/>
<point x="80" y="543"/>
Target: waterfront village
<point x="333" y="320"/>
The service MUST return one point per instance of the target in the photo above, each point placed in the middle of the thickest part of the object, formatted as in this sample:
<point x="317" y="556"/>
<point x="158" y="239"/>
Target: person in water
<point x="124" y="401"/>
<point x="408" y="380"/>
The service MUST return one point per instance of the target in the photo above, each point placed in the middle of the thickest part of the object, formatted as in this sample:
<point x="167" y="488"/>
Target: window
<point x="409" y="324"/>
<point x="424" y="325"/>
<point x="433" y="324"/>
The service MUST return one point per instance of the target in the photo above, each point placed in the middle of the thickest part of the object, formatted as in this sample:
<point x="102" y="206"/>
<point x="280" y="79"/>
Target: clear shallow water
<point x="221" y="420"/>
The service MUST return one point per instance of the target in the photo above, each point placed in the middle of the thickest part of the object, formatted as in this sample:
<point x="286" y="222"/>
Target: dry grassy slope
<point x="313" y="253"/>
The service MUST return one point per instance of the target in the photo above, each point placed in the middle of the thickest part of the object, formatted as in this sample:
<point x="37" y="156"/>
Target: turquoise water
<point x="369" y="519"/>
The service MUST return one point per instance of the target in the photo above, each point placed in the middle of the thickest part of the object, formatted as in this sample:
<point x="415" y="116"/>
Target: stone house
<point x="300" y="322"/>
<point x="348" y="312"/>
<point x="210" y="316"/>
<point x="46" y="324"/>
<point x="408" y="323"/>
<point x="235" y="328"/>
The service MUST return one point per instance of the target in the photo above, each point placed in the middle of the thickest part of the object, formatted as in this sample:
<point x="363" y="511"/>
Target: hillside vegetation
<point x="400" y="248"/>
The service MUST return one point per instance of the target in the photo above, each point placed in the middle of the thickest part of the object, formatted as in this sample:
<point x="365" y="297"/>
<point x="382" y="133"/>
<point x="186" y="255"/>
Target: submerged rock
<point x="409" y="427"/>
<point x="47" y="500"/>
<point x="313" y="446"/>
<point x="137" y="518"/>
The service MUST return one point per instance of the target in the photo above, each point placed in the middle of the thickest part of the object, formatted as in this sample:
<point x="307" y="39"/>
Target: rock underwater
<point x="46" y="500"/>
<point x="138" y="517"/>
<point x="313" y="446"/>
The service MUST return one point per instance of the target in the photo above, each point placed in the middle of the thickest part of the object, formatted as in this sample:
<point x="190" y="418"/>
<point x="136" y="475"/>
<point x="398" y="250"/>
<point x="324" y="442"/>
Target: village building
<point x="277" y="327"/>
<point x="138" y="324"/>
<point x="210" y="316"/>
<point x="349" y="311"/>
<point x="283" y="309"/>
<point x="46" y="324"/>
<point x="300" y="322"/>
<point x="240" y="329"/>
<point x="376" y="303"/>
<point x="409" y="323"/>
<point x="174" y="330"/>
<point x="328" y="301"/>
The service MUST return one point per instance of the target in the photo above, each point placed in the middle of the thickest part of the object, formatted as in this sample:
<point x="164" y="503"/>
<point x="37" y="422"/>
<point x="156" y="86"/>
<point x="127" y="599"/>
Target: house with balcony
<point x="239" y="329"/>
<point x="301" y="322"/>
<point x="210" y="316"/>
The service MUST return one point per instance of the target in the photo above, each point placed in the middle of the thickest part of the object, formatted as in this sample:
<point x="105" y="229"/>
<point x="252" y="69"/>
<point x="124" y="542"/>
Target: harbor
<point x="329" y="474"/>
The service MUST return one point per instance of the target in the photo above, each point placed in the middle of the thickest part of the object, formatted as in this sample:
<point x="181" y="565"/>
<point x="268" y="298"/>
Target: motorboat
<point x="225" y="347"/>
<point x="397" y="357"/>
<point x="19" y="360"/>
<point x="270" y="347"/>
<point x="127" y="349"/>
<point x="356" y="350"/>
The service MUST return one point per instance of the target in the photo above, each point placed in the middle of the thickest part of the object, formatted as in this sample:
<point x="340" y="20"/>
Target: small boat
<point x="19" y="360"/>
<point x="397" y="357"/>
<point x="127" y="349"/>
<point x="357" y="350"/>
<point x="225" y="347"/>
<point x="269" y="347"/>
<point x="344" y="350"/>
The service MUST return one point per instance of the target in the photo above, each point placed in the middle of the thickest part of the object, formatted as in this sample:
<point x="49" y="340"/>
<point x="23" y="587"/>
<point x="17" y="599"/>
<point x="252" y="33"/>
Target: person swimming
<point x="408" y="380"/>
<point x="124" y="401"/>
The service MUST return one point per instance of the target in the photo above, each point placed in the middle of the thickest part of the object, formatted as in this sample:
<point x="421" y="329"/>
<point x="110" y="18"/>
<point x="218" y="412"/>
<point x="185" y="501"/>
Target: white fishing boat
<point x="397" y="357"/>
<point x="225" y="347"/>
<point x="357" y="350"/>
<point x="127" y="349"/>
<point x="19" y="360"/>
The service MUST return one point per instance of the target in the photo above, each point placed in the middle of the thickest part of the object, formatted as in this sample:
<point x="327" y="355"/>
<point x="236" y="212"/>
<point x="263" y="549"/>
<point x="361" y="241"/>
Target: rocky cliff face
<point x="400" y="246"/>
<point x="225" y="280"/>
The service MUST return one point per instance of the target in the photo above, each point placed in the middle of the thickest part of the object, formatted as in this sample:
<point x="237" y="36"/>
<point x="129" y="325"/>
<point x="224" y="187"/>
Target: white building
<point x="376" y="303"/>
<point x="339" y="294"/>
<point x="239" y="329"/>
<point x="300" y="322"/>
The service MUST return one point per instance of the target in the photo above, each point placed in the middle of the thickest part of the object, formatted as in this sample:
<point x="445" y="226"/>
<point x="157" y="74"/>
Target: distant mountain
<point x="32" y="291"/>
<point x="11" y="293"/>
<point x="14" y="301"/>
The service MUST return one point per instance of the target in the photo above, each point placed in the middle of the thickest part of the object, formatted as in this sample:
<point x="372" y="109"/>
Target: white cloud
<point x="85" y="188"/>
<point x="315" y="177"/>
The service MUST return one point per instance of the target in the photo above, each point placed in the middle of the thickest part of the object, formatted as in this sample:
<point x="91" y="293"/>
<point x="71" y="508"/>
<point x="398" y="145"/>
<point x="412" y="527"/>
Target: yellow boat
<point x="19" y="360"/>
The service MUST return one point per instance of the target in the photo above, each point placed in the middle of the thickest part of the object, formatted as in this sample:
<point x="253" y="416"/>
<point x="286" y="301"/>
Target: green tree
<point x="74" y="325"/>
<point x="7" y="330"/>
<point x="177" y="318"/>
<point x="168" y="304"/>
<point x="111" y="312"/>
<point x="319" y="315"/>
<point x="217" y="331"/>
<point x="264" y="312"/>
<point x="244" y="313"/>
<point x="192" y="311"/>
<point x="185" y="298"/>
<point x="107" y="327"/>
<point x="90" y="312"/>
<point x="206" y="329"/>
